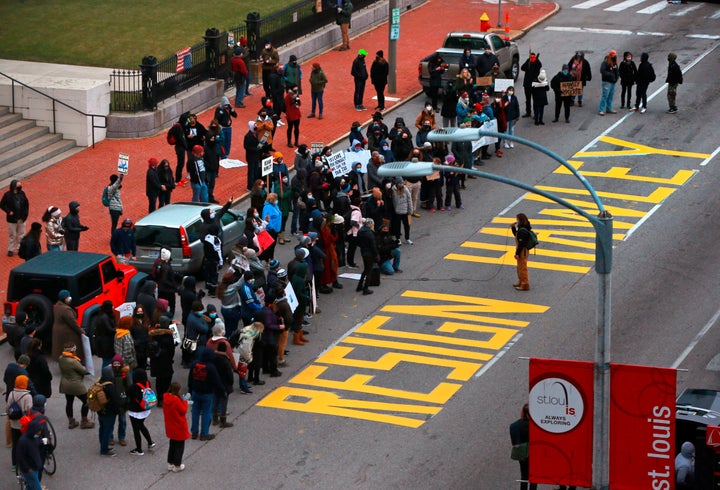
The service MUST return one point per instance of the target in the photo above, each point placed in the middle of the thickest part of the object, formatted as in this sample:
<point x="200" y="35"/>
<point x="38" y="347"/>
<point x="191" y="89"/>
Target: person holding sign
<point x="580" y="70"/>
<point x="562" y="98"/>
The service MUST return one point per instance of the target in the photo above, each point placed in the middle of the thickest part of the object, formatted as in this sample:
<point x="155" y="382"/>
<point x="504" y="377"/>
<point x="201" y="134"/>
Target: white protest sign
<point x="490" y="125"/>
<point x="123" y="161"/>
<point x="316" y="147"/>
<point x="362" y="157"/>
<point x="126" y="309"/>
<point x="291" y="297"/>
<point x="267" y="165"/>
<point x="338" y="164"/>
<point x="502" y="84"/>
<point x="230" y="163"/>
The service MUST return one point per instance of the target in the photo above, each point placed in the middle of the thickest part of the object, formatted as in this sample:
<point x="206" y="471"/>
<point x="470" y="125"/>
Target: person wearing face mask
<point x="16" y="206"/>
<point x="467" y="62"/>
<point x="498" y="109"/>
<point x="580" y="71"/>
<point x="462" y="107"/>
<point x="198" y="325"/>
<point x="224" y="113"/>
<point x="379" y="71"/>
<point x="139" y="332"/>
<point x="427" y="114"/>
<point x="560" y="99"/>
<point x="292" y="74"/>
<point x="269" y="57"/>
<point x="539" y="93"/>
<point x="210" y="232"/>
<point x="292" y="111"/>
<point x="485" y="61"/>
<point x="628" y="76"/>
<point x="531" y="67"/>
<point x="272" y="215"/>
<point x="196" y="169"/>
<point x="249" y="303"/>
<point x="449" y="106"/>
<point x="65" y="326"/>
<point x="512" y="113"/>
<point x="73" y="227"/>
<point x="609" y="73"/>
<point x="285" y="193"/>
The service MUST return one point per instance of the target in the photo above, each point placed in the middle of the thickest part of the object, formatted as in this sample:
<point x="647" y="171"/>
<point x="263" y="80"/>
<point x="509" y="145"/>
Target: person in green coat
<point x="72" y="386"/>
<point x="318" y="80"/>
<point x="285" y="194"/>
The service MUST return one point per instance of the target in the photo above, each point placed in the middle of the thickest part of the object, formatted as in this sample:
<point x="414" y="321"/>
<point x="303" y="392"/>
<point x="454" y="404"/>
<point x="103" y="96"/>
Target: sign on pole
<point x="396" y="16"/>
<point x="338" y="164"/>
<point x="123" y="161"/>
<point x="316" y="147"/>
<point x="395" y="32"/>
<point x="267" y="164"/>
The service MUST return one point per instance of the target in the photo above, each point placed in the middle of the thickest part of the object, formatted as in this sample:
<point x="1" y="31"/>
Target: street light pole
<point x="603" y="225"/>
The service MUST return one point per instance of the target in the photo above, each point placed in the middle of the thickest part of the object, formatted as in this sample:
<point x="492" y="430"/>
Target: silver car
<point x="176" y="227"/>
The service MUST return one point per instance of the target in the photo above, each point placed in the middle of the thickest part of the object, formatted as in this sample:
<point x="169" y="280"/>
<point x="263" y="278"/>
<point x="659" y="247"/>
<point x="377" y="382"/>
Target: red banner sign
<point x="561" y="428"/>
<point x="642" y="427"/>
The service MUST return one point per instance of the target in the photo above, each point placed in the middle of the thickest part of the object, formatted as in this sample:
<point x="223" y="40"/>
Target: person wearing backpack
<point x="121" y="380"/>
<point x="113" y="201"/>
<point x="139" y="409"/>
<point x="203" y="382"/>
<point x="106" y="416"/>
<point x="521" y="230"/>
<point x="19" y="402"/>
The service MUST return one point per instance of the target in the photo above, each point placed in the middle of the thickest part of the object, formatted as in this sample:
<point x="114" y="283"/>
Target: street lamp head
<point x="453" y="135"/>
<point x="406" y="169"/>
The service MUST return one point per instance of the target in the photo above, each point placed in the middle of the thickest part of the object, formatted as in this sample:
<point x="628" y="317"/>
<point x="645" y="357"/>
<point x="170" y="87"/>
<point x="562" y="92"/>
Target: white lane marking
<point x="654" y="8"/>
<point x="589" y="4"/>
<point x="686" y="10"/>
<point x="502" y="352"/>
<point x="696" y="340"/>
<point x="623" y="5"/>
<point x="589" y="30"/>
<point x="642" y="220"/>
<point x="643" y="33"/>
<point x="716" y="15"/>
<point x="703" y="36"/>
<point x="513" y="204"/>
<point x="712" y="155"/>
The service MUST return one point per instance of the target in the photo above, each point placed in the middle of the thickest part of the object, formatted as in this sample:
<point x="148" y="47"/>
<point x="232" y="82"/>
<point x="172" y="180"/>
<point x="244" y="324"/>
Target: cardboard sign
<point x="502" y="84"/>
<point x="484" y="81"/>
<point x="123" y="162"/>
<point x="316" y="147"/>
<point x="338" y="164"/>
<point x="568" y="89"/>
<point x="267" y="166"/>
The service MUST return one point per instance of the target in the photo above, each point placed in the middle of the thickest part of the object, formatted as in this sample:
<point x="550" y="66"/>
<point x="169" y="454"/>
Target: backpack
<point x="532" y="240"/>
<point x="199" y="372"/>
<point x="14" y="411"/>
<point x="149" y="398"/>
<point x="170" y="136"/>
<point x="106" y="197"/>
<point x="652" y="74"/>
<point x="96" y="397"/>
<point x="245" y="347"/>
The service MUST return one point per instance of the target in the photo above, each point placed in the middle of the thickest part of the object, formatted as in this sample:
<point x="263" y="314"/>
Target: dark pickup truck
<point x="454" y="46"/>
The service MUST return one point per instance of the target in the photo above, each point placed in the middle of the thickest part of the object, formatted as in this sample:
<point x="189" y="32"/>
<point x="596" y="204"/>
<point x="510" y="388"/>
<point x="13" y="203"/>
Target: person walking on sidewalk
<point x="645" y="76"/>
<point x="531" y="67"/>
<point x="318" y="80"/>
<point x="521" y="231"/>
<point x="379" y="71"/>
<point x="674" y="78"/>
<point x="360" y="75"/>
<point x="344" y="13"/>
<point x="609" y="75"/>
<point x="240" y="75"/>
<point x="16" y="206"/>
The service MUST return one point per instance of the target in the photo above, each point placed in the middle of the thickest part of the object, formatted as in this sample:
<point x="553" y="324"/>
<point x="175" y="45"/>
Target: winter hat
<point x="565" y="67"/>
<point x="274" y="264"/>
<point x="427" y="144"/>
<point x="293" y="57"/>
<point x="55" y="212"/>
<point x="29" y="329"/>
<point x="362" y="52"/>
<point x="542" y="76"/>
<point x="117" y="359"/>
<point x="672" y="57"/>
<point x="248" y="275"/>
<point x="153" y="162"/>
<point x="20" y="318"/>
<point x="243" y="41"/>
<point x="39" y="403"/>
<point x="21" y="382"/>
<point x="24" y="359"/>
<point x="281" y="273"/>
<point x="63" y="294"/>
<point x="113" y="178"/>
<point x="197" y="148"/>
<point x="450" y="159"/>
<point x="301" y="253"/>
<point x="165" y="254"/>
<point x="612" y="52"/>
<point x="197" y="306"/>
<point x="380" y="53"/>
<point x="162" y="303"/>
<point x="238" y="51"/>
<point x="163" y="321"/>
<point x="277" y="155"/>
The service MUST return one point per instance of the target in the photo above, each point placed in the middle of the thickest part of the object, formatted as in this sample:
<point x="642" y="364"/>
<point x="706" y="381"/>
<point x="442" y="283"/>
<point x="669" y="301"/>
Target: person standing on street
<point x="293" y="114"/>
<point x="176" y="426"/>
<point x="645" y="76"/>
<point x="16" y="206"/>
<point x="521" y="231"/>
<point x="560" y="99"/>
<point x="196" y="169"/>
<point x="580" y="70"/>
<point x="609" y="76"/>
<point x="342" y="18"/>
<point x="674" y="78"/>
<point x="379" y="71"/>
<point x="318" y="80"/>
<point x="106" y="416"/>
<point x="72" y="226"/>
<point x="115" y="206"/>
<point x="369" y="253"/>
<point x="54" y="233"/>
<point x="122" y="242"/>
<point x="628" y="76"/>
<point x="436" y="67"/>
<point x="138" y="412"/>
<point x="240" y="75"/>
<point x="153" y="187"/>
<point x="224" y="113"/>
<point x="520" y="435"/>
<point x="531" y="67"/>
<point x="360" y="75"/>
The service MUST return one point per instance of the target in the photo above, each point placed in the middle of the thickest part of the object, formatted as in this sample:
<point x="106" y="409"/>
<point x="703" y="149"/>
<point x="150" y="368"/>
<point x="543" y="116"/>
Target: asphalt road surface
<point x="414" y="386"/>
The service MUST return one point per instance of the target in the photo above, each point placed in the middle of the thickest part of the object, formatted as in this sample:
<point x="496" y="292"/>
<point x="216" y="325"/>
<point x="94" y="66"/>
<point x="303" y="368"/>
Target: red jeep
<point x="91" y="278"/>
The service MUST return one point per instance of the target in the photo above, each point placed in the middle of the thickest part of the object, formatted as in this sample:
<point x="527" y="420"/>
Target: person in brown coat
<point x="66" y="327"/>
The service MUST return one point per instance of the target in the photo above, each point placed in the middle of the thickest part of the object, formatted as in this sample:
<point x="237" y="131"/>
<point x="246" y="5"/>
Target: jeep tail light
<point x="419" y="69"/>
<point x="7" y="309"/>
<point x="186" y="250"/>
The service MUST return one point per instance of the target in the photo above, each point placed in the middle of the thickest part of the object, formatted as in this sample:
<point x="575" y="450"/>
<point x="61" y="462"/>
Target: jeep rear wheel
<point x="39" y="313"/>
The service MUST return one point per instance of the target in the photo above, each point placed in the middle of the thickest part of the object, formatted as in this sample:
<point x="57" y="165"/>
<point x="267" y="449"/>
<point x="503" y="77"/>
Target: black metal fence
<point x="136" y="90"/>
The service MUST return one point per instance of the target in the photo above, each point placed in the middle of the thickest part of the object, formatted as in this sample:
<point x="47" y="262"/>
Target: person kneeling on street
<point x="389" y="251"/>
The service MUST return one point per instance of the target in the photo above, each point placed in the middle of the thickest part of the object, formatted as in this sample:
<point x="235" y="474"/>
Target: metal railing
<point x="54" y="107"/>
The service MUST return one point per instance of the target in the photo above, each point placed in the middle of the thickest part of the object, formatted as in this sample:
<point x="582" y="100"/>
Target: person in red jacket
<point x="240" y="75"/>
<point x="176" y="426"/>
<point x="292" y="110"/>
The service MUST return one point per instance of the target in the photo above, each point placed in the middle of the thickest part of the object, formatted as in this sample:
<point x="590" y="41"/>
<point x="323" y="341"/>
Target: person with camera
<point x="437" y="67"/>
<point x="292" y="111"/>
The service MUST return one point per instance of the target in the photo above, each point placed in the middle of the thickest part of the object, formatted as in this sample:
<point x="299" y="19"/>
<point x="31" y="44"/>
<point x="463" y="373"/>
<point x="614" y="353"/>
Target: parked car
<point x="697" y="410"/>
<point x="91" y="278"/>
<point x="453" y="47"/>
<point x="177" y="228"/>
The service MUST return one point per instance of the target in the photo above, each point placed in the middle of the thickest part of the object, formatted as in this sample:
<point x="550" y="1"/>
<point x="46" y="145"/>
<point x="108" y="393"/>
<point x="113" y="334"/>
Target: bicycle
<point x="48" y="449"/>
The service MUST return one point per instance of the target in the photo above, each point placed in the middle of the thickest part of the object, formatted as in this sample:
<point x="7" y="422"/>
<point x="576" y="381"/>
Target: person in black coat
<point x="17" y="207"/>
<point x="177" y="133"/>
<point x="467" y="60"/>
<point x="224" y="368"/>
<point x="162" y="352"/>
<point x="520" y="434"/>
<point x="627" y="70"/>
<point x="73" y="227"/>
<point x="139" y="332"/>
<point x="38" y="370"/>
<point x="165" y="174"/>
<point x="368" y="252"/>
<point x="531" y="67"/>
<point x="194" y="136"/>
<point x="484" y="62"/>
<point x="581" y="72"/>
<point x="379" y="71"/>
<point x="449" y="105"/>
<point x="436" y="67"/>
<point x="252" y="146"/>
<point x="645" y="76"/>
<point x="153" y="187"/>
<point x="560" y="99"/>
<point x="136" y="407"/>
<point x="673" y="79"/>
<point x="359" y="73"/>
<point x="103" y="331"/>
<point x="106" y="416"/>
<point x="30" y="243"/>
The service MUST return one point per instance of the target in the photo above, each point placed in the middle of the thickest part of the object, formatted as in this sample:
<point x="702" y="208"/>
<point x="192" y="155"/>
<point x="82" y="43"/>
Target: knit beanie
<point x="21" y="382"/>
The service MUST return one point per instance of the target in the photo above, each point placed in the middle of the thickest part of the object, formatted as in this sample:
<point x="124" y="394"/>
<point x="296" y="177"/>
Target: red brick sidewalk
<point x="83" y="176"/>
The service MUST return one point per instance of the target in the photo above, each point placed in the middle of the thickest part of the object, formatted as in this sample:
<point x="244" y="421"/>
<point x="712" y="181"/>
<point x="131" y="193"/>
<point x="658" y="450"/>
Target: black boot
<point x="367" y="291"/>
